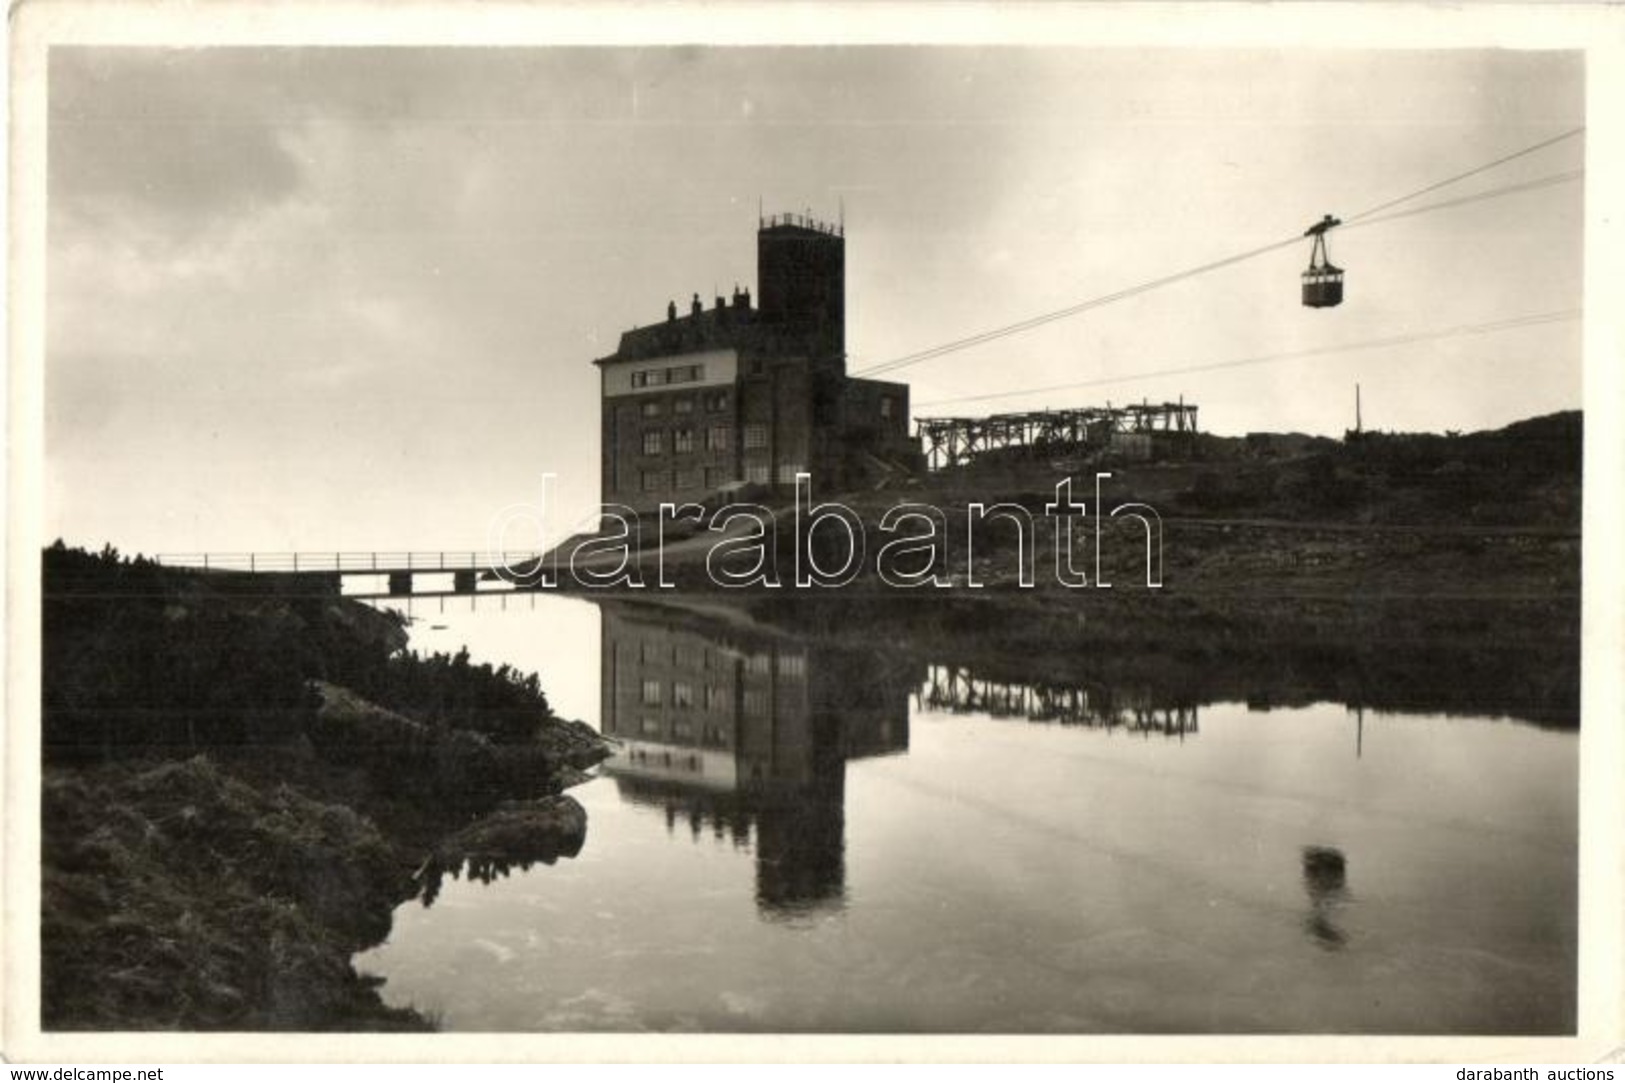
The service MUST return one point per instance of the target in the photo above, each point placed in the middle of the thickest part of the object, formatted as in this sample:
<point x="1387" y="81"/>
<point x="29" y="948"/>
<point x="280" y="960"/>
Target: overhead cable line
<point x="1362" y="218"/>
<point x="1474" y="197"/>
<point x="1071" y="310"/>
<point x="1571" y="133"/>
<point x="1530" y="320"/>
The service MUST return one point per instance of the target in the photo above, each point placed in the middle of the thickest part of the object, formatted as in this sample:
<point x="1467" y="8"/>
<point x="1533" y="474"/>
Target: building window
<point x="650" y="726"/>
<point x="654" y="480"/>
<point x="757" y="474"/>
<point x="683" y="731"/>
<point x="717" y="401"/>
<point x="653" y="443"/>
<point x="685" y="405"/>
<point x="887" y="407"/>
<point x="651" y="408"/>
<point x="758" y="367"/>
<point x="792" y="665"/>
<point x="686" y="479"/>
<point x="788" y="472"/>
<point x="755" y="704"/>
<point x="716" y="438"/>
<point x="715" y="477"/>
<point x="715" y="697"/>
<point x="682" y="694"/>
<point x="755" y="436"/>
<point x="651" y="693"/>
<point x="759" y="665"/>
<point x="682" y="441"/>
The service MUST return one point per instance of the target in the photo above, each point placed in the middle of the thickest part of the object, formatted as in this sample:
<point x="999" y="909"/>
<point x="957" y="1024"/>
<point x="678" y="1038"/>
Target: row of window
<point x="755" y="704"/>
<point x="692" y="657"/>
<point x="793" y="666"/>
<point x="716" y="402"/>
<point x="685" y="478"/>
<point x="678" y="654"/>
<point x="671" y="374"/>
<point x="682" y="440"/>
<point x="716" y="439"/>
<point x="682" y="695"/>
<point x="714" y="736"/>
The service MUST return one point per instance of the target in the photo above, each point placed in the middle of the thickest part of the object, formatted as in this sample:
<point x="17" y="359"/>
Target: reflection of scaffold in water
<point x="957" y="690"/>
<point x="954" y="441"/>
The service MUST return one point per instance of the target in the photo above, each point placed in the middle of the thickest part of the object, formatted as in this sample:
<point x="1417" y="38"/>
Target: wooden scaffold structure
<point x="956" y="689"/>
<point x="955" y="441"/>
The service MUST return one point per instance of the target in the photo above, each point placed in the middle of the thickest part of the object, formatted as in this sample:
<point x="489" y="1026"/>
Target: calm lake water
<point x="800" y="838"/>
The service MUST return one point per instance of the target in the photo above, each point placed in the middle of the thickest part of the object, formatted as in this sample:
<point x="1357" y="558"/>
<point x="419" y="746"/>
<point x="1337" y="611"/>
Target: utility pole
<point x="1357" y="409"/>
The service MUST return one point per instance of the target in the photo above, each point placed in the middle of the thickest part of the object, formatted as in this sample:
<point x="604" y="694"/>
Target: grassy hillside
<point x="1526" y="474"/>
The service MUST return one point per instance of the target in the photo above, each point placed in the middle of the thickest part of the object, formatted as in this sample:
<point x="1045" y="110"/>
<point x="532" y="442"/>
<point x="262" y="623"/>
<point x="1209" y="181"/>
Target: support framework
<point x="955" y="441"/>
<point x="959" y="690"/>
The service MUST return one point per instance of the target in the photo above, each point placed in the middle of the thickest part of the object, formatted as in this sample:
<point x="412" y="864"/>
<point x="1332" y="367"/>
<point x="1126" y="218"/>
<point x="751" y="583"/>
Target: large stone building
<point x="720" y="399"/>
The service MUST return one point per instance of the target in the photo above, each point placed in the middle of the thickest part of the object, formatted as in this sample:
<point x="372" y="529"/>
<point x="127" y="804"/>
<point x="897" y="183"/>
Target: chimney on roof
<point x="741" y="298"/>
<point x="671" y="310"/>
<point x="695" y="307"/>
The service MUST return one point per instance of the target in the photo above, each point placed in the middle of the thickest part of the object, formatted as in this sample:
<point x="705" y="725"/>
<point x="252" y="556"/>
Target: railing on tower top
<point x="381" y="562"/>
<point x="805" y="222"/>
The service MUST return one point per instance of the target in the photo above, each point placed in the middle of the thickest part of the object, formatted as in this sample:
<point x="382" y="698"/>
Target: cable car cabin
<point x="1322" y="282"/>
<point x="1323" y="286"/>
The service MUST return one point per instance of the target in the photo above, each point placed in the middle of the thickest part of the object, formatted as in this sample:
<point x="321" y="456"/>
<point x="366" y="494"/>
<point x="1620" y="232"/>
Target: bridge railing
<point x="381" y="562"/>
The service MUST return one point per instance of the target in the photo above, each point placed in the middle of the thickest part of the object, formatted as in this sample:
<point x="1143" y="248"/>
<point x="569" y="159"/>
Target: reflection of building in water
<point x="958" y="690"/>
<point x="747" y="731"/>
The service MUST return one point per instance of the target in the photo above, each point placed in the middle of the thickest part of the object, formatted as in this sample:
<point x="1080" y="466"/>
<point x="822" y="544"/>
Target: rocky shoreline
<point x="224" y="828"/>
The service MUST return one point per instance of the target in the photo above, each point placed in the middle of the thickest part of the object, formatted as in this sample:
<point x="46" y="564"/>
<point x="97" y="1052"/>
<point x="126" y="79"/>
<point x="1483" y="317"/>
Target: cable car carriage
<point x="1322" y="282"/>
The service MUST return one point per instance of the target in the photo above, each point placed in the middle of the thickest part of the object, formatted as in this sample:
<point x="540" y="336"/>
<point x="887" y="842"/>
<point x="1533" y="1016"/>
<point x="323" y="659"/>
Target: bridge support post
<point x="400" y="583"/>
<point x="463" y="582"/>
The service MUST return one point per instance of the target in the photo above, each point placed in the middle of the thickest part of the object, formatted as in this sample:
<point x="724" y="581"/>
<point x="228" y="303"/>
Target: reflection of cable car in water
<point x="1322" y="282"/>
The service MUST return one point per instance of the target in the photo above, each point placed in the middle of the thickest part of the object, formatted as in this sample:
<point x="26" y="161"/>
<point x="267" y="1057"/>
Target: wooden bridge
<point x="468" y="568"/>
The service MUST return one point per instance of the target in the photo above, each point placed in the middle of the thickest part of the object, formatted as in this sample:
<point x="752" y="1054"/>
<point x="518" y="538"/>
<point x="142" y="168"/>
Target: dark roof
<point x="711" y="329"/>
<point x="855" y="383"/>
<point x="740" y="328"/>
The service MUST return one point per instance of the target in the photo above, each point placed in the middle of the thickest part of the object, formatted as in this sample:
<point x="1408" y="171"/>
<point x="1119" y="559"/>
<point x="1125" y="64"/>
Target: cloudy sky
<point x="325" y="298"/>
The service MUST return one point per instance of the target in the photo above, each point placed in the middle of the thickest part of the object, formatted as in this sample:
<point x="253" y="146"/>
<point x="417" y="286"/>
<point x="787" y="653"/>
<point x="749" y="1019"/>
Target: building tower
<point x="801" y="283"/>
